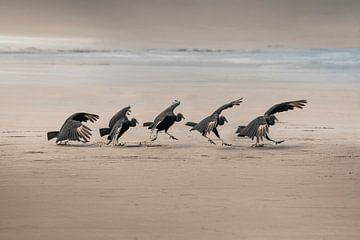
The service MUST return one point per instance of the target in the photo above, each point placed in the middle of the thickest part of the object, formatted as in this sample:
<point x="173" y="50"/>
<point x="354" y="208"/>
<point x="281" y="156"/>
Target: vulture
<point x="118" y="125"/>
<point x="210" y="123"/>
<point x="73" y="129"/>
<point x="259" y="127"/>
<point x="164" y="121"/>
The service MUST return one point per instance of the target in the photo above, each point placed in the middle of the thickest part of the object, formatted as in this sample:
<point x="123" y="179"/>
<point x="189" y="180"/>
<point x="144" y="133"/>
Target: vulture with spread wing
<point x="164" y="121"/>
<point x="118" y="125"/>
<point x="210" y="123"/>
<point x="73" y="128"/>
<point x="259" y="127"/>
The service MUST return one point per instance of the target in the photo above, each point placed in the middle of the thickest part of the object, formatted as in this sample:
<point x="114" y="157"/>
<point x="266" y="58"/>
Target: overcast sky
<point x="187" y="23"/>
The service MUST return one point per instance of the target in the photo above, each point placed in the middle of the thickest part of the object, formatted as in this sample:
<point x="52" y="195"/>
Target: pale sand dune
<point x="305" y="188"/>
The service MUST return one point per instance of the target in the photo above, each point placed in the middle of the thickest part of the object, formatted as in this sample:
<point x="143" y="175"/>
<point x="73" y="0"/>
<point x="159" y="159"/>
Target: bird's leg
<point x="224" y="143"/>
<point x="258" y="144"/>
<point x="276" y="142"/>
<point x="156" y="135"/>
<point x="209" y="139"/>
<point x="171" y="136"/>
<point x="218" y="136"/>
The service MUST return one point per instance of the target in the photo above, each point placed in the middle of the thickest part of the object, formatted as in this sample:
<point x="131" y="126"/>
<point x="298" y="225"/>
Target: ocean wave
<point x="274" y="56"/>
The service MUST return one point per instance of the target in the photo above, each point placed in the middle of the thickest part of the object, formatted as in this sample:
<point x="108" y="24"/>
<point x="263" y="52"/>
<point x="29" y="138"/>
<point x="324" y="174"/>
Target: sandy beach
<point x="58" y="58"/>
<point x="305" y="188"/>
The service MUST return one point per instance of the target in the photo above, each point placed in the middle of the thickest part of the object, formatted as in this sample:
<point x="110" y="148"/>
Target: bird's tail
<point x="191" y="124"/>
<point x="51" y="135"/>
<point x="239" y="131"/>
<point x="104" y="131"/>
<point x="147" y="124"/>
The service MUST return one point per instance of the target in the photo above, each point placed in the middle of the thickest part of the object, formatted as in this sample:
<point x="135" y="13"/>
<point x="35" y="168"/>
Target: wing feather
<point x="75" y="131"/>
<point x="228" y="105"/>
<point x="83" y="117"/>
<point x="121" y="114"/>
<point x="285" y="106"/>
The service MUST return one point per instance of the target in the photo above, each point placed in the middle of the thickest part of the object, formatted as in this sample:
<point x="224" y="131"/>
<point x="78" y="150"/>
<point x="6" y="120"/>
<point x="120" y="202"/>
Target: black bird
<point x="210" y="123"/>
<point x="164" y="121"/>
<point x="118" y="125"/>
<point x="73" y="129"/>
<point x="259" y="127"/>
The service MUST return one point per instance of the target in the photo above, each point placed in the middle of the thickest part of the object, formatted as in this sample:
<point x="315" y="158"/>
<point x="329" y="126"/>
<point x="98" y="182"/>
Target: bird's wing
<point x="83" y="117"/>
<point x="167" y="112"/>
<point x="121" y="114"/>
<point x="172" y="106"/>
<point x="159" y="118"/>
<point x="115" y="130"/>
<point x="75" y="131"/>
<point x="256" y="128"/>
<point x="228" y="105"/>
<point x="285" y="106"/>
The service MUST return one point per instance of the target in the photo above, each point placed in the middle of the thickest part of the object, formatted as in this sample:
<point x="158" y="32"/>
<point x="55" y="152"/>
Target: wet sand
<point x="305" y="188"/>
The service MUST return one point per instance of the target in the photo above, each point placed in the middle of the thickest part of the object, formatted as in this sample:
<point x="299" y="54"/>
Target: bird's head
<point x="179" y="117"/>
<point x="128" y="110"/>
<point x="271" y="119"/>
<point x="222" y="120"/>
<point x="133" y="122"/>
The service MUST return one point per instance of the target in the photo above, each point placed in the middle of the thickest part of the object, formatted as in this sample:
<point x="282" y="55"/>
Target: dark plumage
<point x="73" y="129"/>
<point x="259" y="127"/>
<point x="210" y="123"/>
<point x="164" y="121"/>
<point x="118" y="125"/>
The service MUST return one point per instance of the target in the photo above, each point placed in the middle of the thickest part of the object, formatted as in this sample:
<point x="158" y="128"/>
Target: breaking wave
<point x="271" y="58"/>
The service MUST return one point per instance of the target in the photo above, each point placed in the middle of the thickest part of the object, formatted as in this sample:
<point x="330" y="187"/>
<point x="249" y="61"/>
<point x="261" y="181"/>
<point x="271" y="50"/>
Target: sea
<point x="183" y="66"/>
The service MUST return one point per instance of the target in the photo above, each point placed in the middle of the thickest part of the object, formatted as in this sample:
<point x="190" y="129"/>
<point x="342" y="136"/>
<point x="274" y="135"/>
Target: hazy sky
<point x="187" y="23"/>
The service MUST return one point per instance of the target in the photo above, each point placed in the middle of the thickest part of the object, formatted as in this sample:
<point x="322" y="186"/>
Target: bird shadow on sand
<point x="278" y="147"/>
<point x="91" y="145"/>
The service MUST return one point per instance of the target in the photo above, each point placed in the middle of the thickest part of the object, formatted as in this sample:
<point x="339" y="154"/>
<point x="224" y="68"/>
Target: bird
<point x="118" y="125"/>
<point x="210" y="123"/>
<point x="259" y="127"/>
<point x="73" y="129"/>
<point x="164" y="121"/>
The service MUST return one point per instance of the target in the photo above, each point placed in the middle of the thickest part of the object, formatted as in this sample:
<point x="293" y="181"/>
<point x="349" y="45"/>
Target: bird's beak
<point x="182" y="117"/>
<point x="276" y="119"/>
<point x="136" y="121"/>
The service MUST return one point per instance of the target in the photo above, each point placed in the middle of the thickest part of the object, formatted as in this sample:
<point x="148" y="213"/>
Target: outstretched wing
<point x="256" y="128"/>
<point x="75" y="131"/>
<point x="119" y="115"/>
<point x="83" y="117"/>
<point x="228" y="105"/>
<point x="286" y="106"/>
<point x="167" y="112"/>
